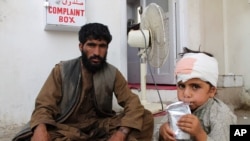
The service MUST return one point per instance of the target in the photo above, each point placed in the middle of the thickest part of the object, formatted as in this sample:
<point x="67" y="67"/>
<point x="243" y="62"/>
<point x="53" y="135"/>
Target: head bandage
<point x="197" y="65"/>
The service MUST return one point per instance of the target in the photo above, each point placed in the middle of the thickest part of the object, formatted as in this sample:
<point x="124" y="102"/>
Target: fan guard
<point x="154" y="19"/>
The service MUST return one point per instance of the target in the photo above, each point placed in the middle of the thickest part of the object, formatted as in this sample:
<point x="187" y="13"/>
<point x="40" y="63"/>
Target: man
<point x="75" y="102"/>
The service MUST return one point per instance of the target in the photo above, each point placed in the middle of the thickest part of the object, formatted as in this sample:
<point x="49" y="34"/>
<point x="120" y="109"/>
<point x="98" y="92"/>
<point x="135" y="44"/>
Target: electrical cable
<point x="151" y="70"/>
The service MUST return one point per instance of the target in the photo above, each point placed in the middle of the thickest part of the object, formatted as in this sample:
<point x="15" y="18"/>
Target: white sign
<point x="65" y="12"/>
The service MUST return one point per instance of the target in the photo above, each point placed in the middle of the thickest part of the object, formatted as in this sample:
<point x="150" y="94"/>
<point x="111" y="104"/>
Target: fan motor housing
<point x="138" y="38"/>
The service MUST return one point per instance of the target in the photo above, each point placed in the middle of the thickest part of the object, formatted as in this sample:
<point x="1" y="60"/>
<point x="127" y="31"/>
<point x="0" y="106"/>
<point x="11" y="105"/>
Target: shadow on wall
<point x="234" y="97"/>
<point x="245" y="99"/>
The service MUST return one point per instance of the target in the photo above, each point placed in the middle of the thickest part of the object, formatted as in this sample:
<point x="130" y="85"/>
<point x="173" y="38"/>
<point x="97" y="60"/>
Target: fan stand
<point x="152" y="107"/>
<point x="151" y="31"/>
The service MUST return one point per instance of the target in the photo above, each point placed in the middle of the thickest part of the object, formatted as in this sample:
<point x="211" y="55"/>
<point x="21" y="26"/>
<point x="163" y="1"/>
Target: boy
<point x="197" y="74"/>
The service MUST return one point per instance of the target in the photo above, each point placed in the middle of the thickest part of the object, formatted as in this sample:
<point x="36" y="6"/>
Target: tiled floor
<point x="243" y="116"/>
<point x="6" y="134"/>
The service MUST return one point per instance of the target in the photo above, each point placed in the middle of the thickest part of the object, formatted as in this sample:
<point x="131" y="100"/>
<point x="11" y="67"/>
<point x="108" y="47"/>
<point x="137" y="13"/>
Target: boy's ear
<point x="212" y="92"/>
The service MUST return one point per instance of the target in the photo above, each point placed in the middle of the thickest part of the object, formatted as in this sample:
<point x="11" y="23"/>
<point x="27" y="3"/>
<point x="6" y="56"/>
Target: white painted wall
<point x="222" y="28"/>
<point x="238" y="38"/>
<point x="28" y="53"/>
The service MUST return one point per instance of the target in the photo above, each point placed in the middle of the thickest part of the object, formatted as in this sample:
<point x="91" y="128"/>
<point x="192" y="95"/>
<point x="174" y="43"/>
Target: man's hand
<point x="166" y="133"/>
<point x="40" y="133"/>
<point x="120" y="135"/>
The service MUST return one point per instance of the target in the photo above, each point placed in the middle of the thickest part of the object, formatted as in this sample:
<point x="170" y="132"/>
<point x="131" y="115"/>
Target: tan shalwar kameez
<point x="84" y="123"/>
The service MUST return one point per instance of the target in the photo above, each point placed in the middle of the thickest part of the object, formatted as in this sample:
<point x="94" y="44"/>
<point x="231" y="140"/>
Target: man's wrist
<point x="124" y="130"/>
<point x="40" y="127"/>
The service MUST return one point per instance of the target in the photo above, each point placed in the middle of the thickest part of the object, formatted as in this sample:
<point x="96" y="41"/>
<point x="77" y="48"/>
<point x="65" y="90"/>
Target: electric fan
<point x="152" y="41"/>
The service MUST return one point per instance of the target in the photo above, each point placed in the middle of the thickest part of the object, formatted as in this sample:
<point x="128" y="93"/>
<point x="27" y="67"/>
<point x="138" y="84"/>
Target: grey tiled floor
<point x="7" y="133"/>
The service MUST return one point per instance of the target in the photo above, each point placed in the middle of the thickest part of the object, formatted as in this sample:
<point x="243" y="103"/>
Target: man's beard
<point x="93" y="67"/>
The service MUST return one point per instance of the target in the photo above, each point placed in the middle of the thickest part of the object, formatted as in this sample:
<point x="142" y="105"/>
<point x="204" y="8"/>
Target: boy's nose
<point x="187" y="93"/>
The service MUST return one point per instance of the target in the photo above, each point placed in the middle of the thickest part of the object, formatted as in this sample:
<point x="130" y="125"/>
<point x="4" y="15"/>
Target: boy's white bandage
<point x="197" y="65"/>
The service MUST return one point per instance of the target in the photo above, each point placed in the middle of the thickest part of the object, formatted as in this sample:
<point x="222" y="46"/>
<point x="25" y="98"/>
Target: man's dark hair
<point x="187" y="50"/>
<point x="95" y="31"/>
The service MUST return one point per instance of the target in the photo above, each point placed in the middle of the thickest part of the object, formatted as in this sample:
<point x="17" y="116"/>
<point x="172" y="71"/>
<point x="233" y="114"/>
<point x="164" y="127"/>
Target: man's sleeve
<point x="133" y="110"/>
<point x="46" y="102"/>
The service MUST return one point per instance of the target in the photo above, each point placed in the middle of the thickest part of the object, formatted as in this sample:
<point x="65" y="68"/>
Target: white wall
<point x="222" y="28"/>
<point x="28" y="53"/>
<point x="238" y="29"/>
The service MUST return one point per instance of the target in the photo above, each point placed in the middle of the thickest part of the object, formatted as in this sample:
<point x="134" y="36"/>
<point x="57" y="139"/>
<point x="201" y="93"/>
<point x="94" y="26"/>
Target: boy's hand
<point x="191" y="124"/>
<point x="166" y="133"/>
